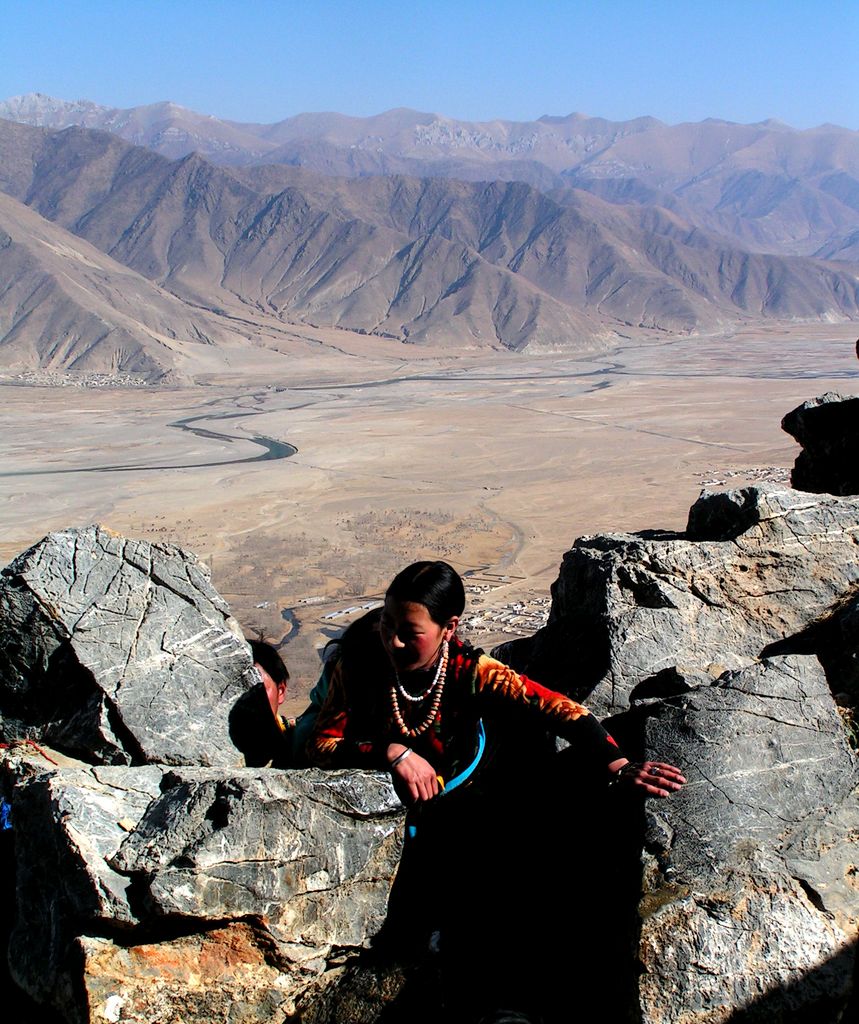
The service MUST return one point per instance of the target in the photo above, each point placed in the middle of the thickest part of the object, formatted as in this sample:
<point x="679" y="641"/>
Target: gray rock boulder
<point x="311" y="853"/>
<point x="720" y="650"/>
<point x="118" y="651"/>
<point x="764" y="753"/>
<point x="196" y="894"/>
<point x="67" y="825"/>
<point x="753" y="949"/>
<point x="742" y="905"/>
<point x="632" y="613"/>
<point x="828" y="430"/>
<point x="169" y="883"/>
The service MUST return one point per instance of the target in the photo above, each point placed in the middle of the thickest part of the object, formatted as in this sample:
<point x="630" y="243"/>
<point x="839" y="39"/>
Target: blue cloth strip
<point x="457" y="780"/>
<point x="466" y="773"/>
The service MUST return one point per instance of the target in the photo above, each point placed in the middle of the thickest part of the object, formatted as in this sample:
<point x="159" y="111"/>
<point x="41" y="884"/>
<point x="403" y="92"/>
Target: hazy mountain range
<point x="772" y="187"/>
<point x="553" y="234"/>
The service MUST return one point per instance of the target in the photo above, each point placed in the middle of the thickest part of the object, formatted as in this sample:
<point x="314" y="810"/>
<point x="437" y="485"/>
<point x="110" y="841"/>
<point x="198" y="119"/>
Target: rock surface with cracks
<point x="633" y="613"/>
<point x="731" y="650"/>
<point x="194" y="894"/>
<point x="119" y="651"/>
<point x="749" y="894"/>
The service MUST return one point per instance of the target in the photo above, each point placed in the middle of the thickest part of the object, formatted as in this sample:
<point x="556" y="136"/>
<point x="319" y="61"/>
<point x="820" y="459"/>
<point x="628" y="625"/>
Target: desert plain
<point x="494" y="461"/>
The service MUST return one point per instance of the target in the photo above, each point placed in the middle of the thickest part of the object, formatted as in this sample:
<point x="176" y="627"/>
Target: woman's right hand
<point x="414" y="778"/>
<point x="650" y="778"/>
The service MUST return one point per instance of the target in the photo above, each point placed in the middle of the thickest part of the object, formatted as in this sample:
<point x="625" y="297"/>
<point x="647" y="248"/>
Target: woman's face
<point x="410" y="636"/>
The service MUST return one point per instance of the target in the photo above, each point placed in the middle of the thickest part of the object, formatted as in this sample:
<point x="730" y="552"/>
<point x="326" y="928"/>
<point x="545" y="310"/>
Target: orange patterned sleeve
<point x="329" y="730"/>
<point x="560" y="714"/>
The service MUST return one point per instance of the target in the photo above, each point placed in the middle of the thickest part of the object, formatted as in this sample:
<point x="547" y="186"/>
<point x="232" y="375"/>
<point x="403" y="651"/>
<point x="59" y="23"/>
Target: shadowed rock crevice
<point x="834" y="640"/>
<point x="806" y="1000"/>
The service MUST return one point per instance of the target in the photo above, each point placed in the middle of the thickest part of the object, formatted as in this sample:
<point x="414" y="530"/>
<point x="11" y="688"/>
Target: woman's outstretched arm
<point x="573" y="722"/>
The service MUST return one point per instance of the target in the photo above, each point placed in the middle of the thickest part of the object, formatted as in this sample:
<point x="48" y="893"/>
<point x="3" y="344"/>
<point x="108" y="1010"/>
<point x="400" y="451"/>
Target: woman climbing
<point x="408" y="695"/>
<point x="499" y="833"/>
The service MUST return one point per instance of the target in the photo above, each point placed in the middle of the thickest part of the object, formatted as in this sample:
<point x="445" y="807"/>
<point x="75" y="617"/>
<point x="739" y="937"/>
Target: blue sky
<point x="262" y="60"/>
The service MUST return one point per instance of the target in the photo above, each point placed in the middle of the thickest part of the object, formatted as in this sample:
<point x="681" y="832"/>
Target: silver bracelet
<point x="401" y="757"/>
<point x="630" y="766"/>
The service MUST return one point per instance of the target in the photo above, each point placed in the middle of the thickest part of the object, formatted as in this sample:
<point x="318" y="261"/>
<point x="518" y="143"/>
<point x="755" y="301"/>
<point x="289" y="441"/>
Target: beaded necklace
<point x="436" y="685"/>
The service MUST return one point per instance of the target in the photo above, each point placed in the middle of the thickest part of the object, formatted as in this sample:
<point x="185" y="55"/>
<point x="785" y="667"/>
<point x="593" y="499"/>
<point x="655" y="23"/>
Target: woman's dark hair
<point x="266" y="655"/>
<point x="355" y="637"/>
<point x="359" y="647"/>
<point x="436" y="585"/>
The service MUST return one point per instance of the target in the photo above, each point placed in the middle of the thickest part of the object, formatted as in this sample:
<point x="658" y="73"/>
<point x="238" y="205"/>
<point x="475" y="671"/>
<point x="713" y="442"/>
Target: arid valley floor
<point x="494" y="462"/>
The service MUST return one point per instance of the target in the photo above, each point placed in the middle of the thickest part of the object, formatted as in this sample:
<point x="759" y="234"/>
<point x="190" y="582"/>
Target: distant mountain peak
<point x="561" y="118"/>
<point x="776" y="124"/>
<point x="41" y="110"/>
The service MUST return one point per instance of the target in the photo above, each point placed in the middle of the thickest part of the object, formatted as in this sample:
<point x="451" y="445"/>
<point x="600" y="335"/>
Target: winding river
<point x="272" y="449"/>
<point x="747" y="361"/>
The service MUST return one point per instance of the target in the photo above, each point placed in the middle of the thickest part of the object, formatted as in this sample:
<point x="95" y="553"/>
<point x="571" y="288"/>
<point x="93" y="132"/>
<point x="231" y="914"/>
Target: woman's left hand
<point x="414" y="778"/>
<point x="652" y="778"/>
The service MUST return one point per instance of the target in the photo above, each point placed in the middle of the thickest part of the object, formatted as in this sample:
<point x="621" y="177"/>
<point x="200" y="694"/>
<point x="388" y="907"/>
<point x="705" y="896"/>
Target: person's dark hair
<point x="359" y="646"/>
<point x="436" y="585"/>
<point x="353" y="640"/>
<point x="266" y="655"/>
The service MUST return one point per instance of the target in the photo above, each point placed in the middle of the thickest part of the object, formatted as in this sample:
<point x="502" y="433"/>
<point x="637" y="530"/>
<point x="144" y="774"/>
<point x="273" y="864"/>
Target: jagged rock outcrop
<point x="756" y="565"/>
<point x="210" y="845"/>
<point x="119" y="651"/>
<point x="720" y="650"/>
<point x="828" y="430"/>
<point x="164" y="881"/>
<point x="209" y="894"/>
<point x="749" y="883"/>
<point x="68" y="823"/>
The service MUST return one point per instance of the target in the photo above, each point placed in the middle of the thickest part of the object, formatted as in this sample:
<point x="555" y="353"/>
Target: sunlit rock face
<point x="632" y="613"/>
<point x="732" y="651"/>
<point x="196" y="889"/>
<point x="163" y="853"/>
<point x="749" y="874"/>
<point x="119" y="651"/>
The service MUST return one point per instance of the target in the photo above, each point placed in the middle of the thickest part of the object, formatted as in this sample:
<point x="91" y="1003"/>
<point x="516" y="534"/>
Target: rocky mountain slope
<point x="428" y="261"/>
<point x="767" y="186"/>
<point x="214" y="241"/>
<point x="637" y="264"/>
<point x="66" y="306"/>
